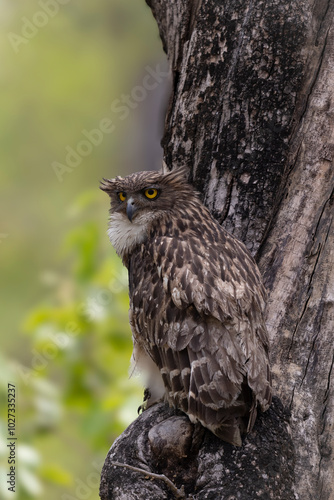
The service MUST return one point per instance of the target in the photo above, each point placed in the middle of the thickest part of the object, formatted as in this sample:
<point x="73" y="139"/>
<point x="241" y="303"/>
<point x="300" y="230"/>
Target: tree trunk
<point x="252" y="115"/>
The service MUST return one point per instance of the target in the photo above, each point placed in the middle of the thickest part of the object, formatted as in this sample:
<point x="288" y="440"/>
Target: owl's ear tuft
<point x="178" y="174"/>
<point x="107" y="186"/>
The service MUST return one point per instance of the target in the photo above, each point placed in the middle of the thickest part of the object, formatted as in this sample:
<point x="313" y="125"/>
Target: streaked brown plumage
<point x="196" y="303"/>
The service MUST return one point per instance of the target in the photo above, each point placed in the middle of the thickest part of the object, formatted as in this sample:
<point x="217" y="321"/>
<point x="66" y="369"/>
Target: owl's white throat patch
<point x="125" y="235"/>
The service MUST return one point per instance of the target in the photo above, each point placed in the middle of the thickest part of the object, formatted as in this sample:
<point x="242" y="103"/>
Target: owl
<point x="196" y="303"/>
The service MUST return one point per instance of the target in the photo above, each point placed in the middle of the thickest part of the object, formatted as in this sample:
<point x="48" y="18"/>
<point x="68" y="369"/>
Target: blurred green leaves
<point x="76" y="375"/>
<point x="86" y="335"/>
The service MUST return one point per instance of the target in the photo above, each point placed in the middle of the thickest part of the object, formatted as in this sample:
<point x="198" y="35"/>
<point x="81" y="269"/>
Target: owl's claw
<point x="145" y="405"/>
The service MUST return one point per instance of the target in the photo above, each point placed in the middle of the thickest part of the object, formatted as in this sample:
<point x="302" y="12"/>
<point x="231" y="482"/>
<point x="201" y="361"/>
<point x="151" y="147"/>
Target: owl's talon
<point x="145" y="405"/>
<point x="141" y="408"/>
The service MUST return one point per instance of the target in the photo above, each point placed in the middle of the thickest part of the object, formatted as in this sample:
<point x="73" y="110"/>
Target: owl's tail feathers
<point x="239" y="420"/>
<point x="252" y="415"/>
<point x="230" y="431"/>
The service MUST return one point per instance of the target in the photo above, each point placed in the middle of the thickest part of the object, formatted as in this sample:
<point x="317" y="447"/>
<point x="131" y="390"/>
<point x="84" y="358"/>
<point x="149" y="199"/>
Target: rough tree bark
<point x="252" y="115"/>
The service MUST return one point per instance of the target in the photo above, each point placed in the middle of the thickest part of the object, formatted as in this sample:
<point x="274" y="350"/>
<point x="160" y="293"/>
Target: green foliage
<point x="80" y="344"/>
<point x="66" y="340"/>
<point x="84" y="339"/>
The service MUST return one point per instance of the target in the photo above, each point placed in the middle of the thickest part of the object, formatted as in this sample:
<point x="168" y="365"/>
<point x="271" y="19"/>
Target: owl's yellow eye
<point x="151" y="193"/>
<point x="122" y="196"/>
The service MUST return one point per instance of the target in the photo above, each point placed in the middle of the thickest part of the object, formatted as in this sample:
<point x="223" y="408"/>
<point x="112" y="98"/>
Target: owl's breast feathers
<point x="196" y="307"/>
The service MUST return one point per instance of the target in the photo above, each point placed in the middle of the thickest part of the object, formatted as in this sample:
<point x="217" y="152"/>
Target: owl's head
<point x="141" y="198"/>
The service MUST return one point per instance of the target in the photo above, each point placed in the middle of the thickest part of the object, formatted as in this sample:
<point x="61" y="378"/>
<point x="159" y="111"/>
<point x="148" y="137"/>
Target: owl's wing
<point x="219" y="282"/>
<point x="224" y="287"/>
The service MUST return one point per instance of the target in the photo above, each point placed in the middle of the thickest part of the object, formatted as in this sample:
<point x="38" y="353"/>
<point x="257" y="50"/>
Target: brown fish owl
<point x="196" y="303"/>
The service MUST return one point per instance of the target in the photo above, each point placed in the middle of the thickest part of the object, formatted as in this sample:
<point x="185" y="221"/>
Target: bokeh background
<point x="83" y="91"/>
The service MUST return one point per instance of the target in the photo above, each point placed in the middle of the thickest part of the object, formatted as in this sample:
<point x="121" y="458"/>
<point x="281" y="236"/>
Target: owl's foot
<point x="148" y="401"/>
<point x="143" y="406"/>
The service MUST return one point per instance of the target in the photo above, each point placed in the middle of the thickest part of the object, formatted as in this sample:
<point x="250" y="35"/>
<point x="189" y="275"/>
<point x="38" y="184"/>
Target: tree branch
<point x="164" y="442"/>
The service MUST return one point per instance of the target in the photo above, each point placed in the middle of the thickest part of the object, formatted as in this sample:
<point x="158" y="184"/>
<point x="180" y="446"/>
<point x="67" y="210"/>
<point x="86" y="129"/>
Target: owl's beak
<point x="131" y="209"/>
